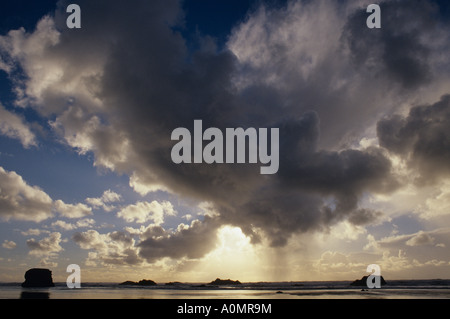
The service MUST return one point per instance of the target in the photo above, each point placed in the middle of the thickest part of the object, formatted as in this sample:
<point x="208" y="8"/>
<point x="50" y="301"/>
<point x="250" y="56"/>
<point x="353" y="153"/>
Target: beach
<point x="401" y="289"/>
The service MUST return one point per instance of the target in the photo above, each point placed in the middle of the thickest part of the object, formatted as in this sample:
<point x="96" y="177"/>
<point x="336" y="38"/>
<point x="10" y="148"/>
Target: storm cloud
<point x="400" y="49"/>
<point x="422" y="138"/>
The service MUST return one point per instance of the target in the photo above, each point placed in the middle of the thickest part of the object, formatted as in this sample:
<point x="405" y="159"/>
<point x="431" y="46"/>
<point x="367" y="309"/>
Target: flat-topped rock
<point x="38" y="278"/>
<point x="143" y="282"/>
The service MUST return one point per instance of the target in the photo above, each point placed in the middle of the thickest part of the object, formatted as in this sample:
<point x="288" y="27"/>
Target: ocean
<point x="395" y="289"/>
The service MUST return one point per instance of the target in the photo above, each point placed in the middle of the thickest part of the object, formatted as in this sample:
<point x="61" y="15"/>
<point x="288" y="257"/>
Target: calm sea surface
<point x="397" y="289"/>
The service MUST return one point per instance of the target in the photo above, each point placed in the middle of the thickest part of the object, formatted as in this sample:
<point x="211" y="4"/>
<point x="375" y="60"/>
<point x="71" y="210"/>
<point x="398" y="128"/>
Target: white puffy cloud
<point x="70" y="210"/>
<point x="48" y="79"/>
<point x="437" y="205"/>
<point x="142" y="212"/>
<point x="9" y="244"/>
<point x="63" y="225"/>
<point x="86" y="132"/>
<point x="108" y="197"/>
<point x="85" y="222"/>
<point x="347" y="231"/>
<point x="46" y="247"/>
<point x="20" y="201"/>
<point x="396" y="261"/>
<point x="115" y="248"/>
<point x="144" y="187"/>
<point x="13" y="126"/>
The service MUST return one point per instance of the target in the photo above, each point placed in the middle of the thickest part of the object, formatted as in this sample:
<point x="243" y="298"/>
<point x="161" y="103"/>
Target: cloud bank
<point x="117" y="87"/>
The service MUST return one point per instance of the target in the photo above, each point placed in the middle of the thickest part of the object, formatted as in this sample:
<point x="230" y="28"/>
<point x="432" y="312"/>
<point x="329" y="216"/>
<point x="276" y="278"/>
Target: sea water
<point x="396" y="289"/>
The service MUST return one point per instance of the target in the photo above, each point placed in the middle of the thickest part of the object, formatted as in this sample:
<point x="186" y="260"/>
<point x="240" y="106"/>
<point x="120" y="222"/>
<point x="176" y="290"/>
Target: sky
<point x="86" y="117"/>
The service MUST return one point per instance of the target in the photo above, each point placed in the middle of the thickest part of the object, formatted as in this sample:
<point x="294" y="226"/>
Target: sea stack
<point x="38" y="278"/>
<point x="363" y="281"/>
<point x="224" y="282"/>
<point x="143" y="282"/>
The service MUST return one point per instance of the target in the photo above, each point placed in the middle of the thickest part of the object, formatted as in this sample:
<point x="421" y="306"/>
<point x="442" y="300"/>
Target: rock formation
<point x="223" y="282"/>
<point x="146" y="282"/>
<point x="363" y="282"/>
<point x="143" y="282"/>
<point x="38" y="277"/>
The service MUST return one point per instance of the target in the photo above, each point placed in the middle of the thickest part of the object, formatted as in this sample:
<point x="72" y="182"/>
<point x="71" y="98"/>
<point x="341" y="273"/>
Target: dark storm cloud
<point x="328" y="172"/>
<point x="152" y="85"/>
<point x="422" y="137"/>
<point x="149" y="83"/>
<point x="399" y="48"/>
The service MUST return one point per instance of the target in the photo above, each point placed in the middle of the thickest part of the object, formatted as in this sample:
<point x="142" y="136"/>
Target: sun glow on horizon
<point x="234" y="257"/>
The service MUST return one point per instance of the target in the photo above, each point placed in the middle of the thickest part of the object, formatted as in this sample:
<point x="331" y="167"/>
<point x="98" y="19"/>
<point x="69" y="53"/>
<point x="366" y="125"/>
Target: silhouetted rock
<point x="37" y="278"/>
<point x="143" y="282"/>
<point x="223" y="282"/>
<point x="363" y="282"/>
